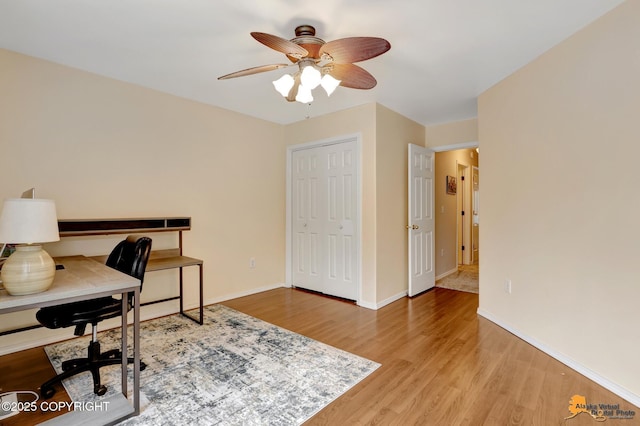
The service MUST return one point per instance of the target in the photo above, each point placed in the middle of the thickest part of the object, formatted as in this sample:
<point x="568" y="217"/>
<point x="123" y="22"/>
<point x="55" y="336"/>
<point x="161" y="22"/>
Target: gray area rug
<point x="233" y="370"/>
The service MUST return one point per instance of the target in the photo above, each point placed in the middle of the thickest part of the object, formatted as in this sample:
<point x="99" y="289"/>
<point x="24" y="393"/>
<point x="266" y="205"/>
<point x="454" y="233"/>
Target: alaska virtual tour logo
<point x="600" y="412"/>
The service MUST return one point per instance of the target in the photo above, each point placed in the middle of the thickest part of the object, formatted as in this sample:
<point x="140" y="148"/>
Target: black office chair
<point x="129" y="256"/>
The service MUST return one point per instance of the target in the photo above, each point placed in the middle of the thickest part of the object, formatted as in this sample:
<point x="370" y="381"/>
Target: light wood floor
<point x="442" y="364"/>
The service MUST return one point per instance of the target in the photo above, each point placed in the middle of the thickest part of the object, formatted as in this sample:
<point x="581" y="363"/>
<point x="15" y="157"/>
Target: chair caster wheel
<point x="47" y="393"/>
<point x="100" y="390"/>
<point x="142" y="366"/>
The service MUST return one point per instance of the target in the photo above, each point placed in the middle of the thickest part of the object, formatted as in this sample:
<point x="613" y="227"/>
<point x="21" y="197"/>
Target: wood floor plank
<point x="441" y="364"/>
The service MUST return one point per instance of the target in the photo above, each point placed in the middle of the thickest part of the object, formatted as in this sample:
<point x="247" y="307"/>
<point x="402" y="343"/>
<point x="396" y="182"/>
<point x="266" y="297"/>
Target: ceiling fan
<point x="319" y="63"/>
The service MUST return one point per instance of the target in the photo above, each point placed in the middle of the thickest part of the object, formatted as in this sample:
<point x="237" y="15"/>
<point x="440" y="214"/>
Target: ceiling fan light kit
<point x="319" y="63"/>
<point x="309" y="78"/>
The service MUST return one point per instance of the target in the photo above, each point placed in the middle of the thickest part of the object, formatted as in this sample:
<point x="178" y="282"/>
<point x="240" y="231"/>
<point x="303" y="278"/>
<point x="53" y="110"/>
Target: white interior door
<point x="421" y="220"/>
<point x="476" y="218"/>
<point x="324" y="214"/>
<point x="460" y="212"/>
<point x="464" y="216"/>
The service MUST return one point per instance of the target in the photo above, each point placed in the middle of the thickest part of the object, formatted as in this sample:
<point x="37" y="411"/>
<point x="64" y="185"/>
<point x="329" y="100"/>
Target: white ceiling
<point x="444" y="53"/>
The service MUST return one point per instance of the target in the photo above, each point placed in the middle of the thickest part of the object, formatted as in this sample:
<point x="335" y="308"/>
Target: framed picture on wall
<point x="452" y="187"/>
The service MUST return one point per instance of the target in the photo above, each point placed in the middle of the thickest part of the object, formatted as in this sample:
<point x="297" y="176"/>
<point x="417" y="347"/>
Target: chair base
<point x="94" y="361"/>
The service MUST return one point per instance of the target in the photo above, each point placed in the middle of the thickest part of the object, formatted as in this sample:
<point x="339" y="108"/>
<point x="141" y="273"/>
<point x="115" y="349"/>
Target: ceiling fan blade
<point x="355" y="49"/>
<point x="280" y="44"/>
<point x="254" y="70"/>
<point x="352" y="76"/>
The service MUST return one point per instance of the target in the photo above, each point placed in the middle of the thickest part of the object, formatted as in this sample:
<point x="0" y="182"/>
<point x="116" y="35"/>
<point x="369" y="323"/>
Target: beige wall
<point x="446" y="207"/>
<point x="90" y="142"/>
<point x="560" y="140"/>
<point x="103" y="148"/>
<point x="393" y="136"/>
<point x="454" y="133"/>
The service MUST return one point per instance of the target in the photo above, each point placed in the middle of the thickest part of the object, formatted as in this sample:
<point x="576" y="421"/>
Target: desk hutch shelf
<point x="159" y="259"/>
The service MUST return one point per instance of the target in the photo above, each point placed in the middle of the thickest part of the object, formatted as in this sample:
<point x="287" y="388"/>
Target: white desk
<point x="83" y="279"/>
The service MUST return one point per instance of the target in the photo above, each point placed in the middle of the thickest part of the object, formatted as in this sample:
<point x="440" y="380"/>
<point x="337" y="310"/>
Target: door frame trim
<point x="354" y="137"/>
<point x="455" y="146"/>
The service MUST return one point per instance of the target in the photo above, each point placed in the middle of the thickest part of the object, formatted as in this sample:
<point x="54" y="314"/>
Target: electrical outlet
<point x="441" y="252"/>
<point x="252" y="262"/>
<point x="507" y="286"/>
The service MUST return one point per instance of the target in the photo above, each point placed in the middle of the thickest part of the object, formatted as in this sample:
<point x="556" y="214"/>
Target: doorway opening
<point x="457" y="218"/>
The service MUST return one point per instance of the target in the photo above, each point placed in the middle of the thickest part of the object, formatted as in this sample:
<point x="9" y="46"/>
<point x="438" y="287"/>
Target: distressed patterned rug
<point x="233" y="370"/>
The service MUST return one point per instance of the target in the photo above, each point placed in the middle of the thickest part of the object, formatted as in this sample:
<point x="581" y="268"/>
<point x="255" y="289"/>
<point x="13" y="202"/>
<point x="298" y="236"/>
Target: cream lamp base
<point x="28" y="270"/>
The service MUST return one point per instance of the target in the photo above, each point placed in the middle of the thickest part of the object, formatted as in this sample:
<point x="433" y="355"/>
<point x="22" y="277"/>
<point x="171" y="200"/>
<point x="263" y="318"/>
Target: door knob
<point x="412" y="227"/>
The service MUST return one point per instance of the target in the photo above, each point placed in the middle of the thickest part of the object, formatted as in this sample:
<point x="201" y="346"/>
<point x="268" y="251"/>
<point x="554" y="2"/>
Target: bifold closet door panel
<point x="324" y="212"/>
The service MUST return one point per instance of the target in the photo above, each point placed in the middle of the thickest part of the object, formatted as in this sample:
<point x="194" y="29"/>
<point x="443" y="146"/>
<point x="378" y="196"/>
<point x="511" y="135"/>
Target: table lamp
<point x="28" y="222"/>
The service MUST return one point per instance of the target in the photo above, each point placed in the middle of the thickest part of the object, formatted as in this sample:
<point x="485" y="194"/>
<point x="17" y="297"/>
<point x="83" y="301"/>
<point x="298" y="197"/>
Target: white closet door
<point x="307" y="225"/>
<point x="324" y="246"/>
<point x="340" y="224"/>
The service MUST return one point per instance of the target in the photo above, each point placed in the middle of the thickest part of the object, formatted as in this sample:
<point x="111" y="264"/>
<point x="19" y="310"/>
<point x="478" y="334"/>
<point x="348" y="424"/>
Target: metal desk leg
<point x="200" y="319"/>
<point x="136" y="352"/>
<point x="201" y="296"/>
<point x="181" y="294"/>
<point x="123" y="331"/>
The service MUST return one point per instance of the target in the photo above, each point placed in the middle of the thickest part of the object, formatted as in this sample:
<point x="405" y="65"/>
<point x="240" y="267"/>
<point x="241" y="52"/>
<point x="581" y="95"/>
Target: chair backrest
<point x="130" y="256"/>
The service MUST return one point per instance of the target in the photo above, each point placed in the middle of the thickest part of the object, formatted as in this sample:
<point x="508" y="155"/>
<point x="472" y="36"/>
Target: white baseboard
<point x="446" y="274"/>
<point x="368" y="305"/>
<point x="241" y="294"/>
<point x="43" y="336"/>
<point x="376" y="306"/>
<point x="587" y="372"/>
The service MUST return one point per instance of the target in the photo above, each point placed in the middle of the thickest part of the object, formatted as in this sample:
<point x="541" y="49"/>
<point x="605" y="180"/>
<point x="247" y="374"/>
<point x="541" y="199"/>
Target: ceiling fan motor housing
<point x="305" y="37"/>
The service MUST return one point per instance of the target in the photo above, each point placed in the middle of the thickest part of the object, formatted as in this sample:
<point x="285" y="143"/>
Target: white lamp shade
<point x="28" y="221"/>
<point x="310" y="77"/>
<point x="329" y="84"/>
<point x="284" y="84"/>
<point x="304" y="94"/>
